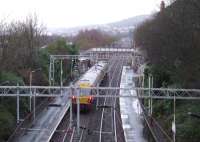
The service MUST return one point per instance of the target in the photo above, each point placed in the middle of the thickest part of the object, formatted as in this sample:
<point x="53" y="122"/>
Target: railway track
<point x="118" y="129"/>
<point x="70" y="135"/>
<point x="91" y="130"/>
<point x="106" y="130"/>
<point x="62" y="130"/>
<point x="108" y="122"/>
<point x="88" y="129"/>
<point x="66" y="134"/>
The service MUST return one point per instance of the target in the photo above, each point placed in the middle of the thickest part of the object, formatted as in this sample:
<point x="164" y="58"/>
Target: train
<point x="91" y="78"/>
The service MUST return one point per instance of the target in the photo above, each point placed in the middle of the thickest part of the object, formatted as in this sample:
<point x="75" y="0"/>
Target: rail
<point x="102" y="115"/>
<point x="113" y="82"/>
<point x="65" y="135"/>
<point x="115" y="124"/>
<point x="59" y="120"/>
<point x="149" y="121"/>
<point x="71" y="139"/>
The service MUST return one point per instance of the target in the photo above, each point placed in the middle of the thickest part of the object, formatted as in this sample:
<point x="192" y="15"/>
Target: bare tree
<point x="20" y="42"/>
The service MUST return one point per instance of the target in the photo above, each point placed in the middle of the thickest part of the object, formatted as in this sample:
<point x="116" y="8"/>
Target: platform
<point x="46" y="122"/>
<point x="130" y="109"/>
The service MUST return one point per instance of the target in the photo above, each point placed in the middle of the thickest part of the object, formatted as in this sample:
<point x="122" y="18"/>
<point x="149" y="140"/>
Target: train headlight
<point x="90" y="99"/>
<point x="73" y="99"/>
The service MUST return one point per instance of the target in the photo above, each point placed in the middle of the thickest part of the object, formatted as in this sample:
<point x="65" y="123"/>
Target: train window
<point x="94" y="92"/>
<point x="85" y="91"/>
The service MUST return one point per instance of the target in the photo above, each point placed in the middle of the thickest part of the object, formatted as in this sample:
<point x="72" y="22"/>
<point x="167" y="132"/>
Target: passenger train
<point x="91" y="78"/>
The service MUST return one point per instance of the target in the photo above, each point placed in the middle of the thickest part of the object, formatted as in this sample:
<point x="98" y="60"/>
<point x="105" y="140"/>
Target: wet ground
<point x="130" y="109"/>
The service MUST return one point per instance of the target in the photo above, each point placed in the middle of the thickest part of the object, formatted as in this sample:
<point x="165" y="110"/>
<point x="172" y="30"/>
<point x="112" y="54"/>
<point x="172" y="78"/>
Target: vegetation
<point x="8" y="119"/>
<point x="25" y="47"/>
<point x="93" y="38"/>
<point x="19" y="43"/>
<point x="59" y="47"/>
<point x="171" y="43"/>
<point x="20" y="53"/>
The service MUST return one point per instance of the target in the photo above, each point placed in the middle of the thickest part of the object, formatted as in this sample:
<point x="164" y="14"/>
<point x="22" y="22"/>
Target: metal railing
<point x="55" y="91"/>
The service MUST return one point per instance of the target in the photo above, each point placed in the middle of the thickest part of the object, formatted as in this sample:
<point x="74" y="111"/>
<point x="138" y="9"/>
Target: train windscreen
<point x="85" y="92"/>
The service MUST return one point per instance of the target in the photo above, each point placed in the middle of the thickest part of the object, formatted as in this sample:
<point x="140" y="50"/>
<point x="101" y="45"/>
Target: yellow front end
<point x="85" y="96"/>
<point x="84" y="100"/>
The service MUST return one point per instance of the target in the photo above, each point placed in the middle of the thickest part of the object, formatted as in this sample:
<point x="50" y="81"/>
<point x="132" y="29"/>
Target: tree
<point x="92" y="38"/>
<point x="59" y="47"/>
<point x="171" y="41"/>
<point x="20" y="42"/>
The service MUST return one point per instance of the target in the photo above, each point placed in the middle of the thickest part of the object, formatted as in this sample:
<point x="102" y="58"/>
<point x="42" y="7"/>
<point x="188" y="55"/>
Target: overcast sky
<point x="71" y="13"/>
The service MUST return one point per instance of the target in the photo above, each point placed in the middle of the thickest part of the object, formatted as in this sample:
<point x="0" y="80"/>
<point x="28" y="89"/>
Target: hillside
<point x="133" y="21"/>
<point x="116" y="27"/>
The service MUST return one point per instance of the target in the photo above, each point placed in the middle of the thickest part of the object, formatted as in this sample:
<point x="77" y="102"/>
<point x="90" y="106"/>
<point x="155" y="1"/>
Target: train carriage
<point x="91" y="78"/>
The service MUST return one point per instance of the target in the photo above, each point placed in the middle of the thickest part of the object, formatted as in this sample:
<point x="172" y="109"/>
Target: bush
<point x="9" y="78"/>
<point x="59" y="47"/>
<point x="7" y="123"/>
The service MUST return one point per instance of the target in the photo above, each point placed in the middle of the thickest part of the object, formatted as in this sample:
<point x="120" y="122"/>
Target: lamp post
<point x="30" y="83"/>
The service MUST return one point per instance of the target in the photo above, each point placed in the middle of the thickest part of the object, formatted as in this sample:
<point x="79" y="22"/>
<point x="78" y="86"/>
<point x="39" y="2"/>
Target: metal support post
<point x="97" y="58"/>
<point x="34" y="102"/>
<point x="90" y="56"/>
<point x="174" y="131"/>
<point x="30" y="98"/>
<point x="71" y="109"/>
<point x="151" y="95"/>
<point x="50" y="68"/>
<point x="71" y="67"/>
<point x="143" y="81"/>
<point x="30" y="103"/>
<point x="115" y="131"/>
<point x="53" y="72"/>
<point x="97" y="97"/>
<point x="61" y="78"/>
<point x="149" y="100"/>
<point x="61" y="74"/>
<point x="78" y="111"/>
<point x="17" y="104"/>
<point x="112" y="119"/>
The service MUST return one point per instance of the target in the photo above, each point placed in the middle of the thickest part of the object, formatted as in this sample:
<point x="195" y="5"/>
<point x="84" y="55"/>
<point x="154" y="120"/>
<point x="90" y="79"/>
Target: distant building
<point x="162" y="6"/>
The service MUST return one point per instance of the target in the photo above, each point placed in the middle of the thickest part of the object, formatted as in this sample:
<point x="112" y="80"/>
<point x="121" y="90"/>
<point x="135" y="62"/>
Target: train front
<point x="91" y="78"/>
<point x="86" y="100"/>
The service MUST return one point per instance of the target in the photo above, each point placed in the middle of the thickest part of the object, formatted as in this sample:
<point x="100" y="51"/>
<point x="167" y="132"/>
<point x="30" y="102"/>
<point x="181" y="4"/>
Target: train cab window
<point x="93" y="92"/>
<point x="85" y="92"/>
